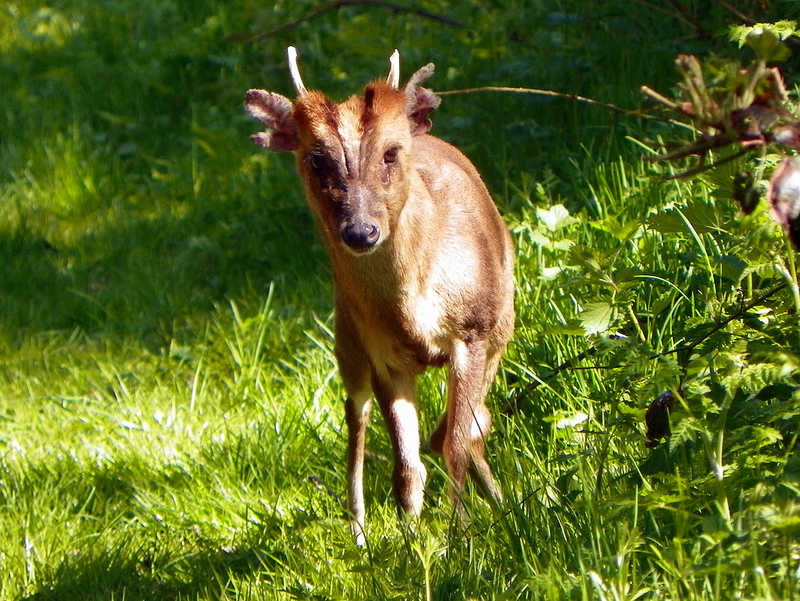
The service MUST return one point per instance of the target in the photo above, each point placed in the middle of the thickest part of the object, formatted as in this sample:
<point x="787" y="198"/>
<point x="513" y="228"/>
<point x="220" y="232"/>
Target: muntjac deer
<point x="422" y="265"/>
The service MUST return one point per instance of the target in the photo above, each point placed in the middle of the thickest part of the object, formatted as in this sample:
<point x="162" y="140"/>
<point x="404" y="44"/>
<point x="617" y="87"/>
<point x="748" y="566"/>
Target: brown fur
<point x="423" y="271"/>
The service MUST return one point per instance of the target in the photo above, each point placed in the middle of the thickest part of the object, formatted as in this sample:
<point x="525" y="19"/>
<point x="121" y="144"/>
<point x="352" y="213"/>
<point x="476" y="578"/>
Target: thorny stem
<point x="738" y="315"/>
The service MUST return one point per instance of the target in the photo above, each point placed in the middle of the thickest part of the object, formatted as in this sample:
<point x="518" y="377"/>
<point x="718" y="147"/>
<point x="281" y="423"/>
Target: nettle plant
<point x="734" y="400"/>
<point x="693" y="307"/>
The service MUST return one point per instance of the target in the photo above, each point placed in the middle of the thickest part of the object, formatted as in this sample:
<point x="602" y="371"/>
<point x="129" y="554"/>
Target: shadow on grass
<point x="149" y="278"/>
<point x="112" y="575"/>
<point x="132" y="200"/>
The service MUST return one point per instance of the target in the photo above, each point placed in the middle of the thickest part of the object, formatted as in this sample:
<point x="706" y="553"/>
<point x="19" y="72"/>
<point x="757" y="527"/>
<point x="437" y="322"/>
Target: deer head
<point x="354" y="156"/>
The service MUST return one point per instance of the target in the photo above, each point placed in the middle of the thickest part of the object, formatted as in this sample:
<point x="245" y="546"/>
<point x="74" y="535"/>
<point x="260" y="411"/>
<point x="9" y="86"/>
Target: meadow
<point x="171" y="419"/>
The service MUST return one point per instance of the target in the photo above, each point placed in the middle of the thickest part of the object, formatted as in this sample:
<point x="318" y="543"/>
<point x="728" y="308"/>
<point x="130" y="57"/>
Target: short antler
<point x="298" y="82"/>
<point x="394" y="70"/>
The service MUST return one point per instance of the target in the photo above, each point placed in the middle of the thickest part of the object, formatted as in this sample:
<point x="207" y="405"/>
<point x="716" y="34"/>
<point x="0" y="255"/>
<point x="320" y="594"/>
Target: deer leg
<point x="464" y="427"/>
<point x="357" y="417"/>
<point x="480" y="472"/>
<point x="395" y="394"/>
<point x="354" y="370"/>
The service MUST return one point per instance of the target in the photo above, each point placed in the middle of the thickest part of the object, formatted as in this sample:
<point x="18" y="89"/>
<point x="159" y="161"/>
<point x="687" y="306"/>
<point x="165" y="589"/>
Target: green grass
<point x="171" y="420"/>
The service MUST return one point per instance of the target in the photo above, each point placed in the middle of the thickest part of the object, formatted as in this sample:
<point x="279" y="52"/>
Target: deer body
<point x="422" y="265"/>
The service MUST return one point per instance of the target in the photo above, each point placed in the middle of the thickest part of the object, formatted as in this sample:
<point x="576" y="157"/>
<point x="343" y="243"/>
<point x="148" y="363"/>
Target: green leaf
<point x="765" y="39"/>
<point x="781" y="29"/>
<point x="702" y="217"/>
<point x="568" y="329"/>
<point x="596" y="318"/>
<point x="555" y="217"/>
<point x="621" y="231"/>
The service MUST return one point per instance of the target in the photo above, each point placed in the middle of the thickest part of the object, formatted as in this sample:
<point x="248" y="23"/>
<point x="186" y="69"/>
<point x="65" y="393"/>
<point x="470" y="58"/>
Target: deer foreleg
<point x="395" y="394"/>
<point x="357" y="416"/>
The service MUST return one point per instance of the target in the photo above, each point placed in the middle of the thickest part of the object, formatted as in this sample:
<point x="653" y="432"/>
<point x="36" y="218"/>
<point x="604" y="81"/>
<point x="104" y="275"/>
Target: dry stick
<point x="707" y="167"/>
<point x="737" y="13"/>
<point x="575" y="97"/>
<point x="690" y="19"/>
<point x="340" y="4"/>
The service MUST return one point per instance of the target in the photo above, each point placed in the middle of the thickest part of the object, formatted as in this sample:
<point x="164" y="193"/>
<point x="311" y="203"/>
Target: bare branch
<point x="736" y="12"/>
<point x="574" y="97"/>
<point x="719" y="325"/>
<point x="708" y="167"/>
<point x="690" y="19"/>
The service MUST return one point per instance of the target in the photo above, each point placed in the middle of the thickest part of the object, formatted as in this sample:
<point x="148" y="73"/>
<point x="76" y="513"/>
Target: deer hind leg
<point x="465" y="425"/>
<point x="395" y="394"/>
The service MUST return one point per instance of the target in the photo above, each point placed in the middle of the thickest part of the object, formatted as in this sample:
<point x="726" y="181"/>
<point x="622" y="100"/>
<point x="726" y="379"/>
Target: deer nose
<point x="360" y="236"/>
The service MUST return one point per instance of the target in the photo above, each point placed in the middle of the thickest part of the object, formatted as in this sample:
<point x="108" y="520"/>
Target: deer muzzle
<point x="360" y="236"/>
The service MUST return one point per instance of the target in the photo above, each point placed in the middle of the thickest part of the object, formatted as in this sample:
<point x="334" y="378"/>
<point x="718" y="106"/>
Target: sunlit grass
<point x="171" y="423"/>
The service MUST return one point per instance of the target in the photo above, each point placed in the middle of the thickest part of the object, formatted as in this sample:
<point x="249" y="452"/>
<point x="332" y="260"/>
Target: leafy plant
<point x="747" y="108"/>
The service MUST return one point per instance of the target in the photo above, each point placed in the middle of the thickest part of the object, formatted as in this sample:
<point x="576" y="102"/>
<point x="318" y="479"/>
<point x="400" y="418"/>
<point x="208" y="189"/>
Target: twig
<point x="537" y="92"/>
<point x="736" y="12"/>
<point x="321" y="485"/>
<point x="658" y="8"/>
<point x="648" y="91"/>
<point x="513" y="405"/>
<point x="248" y="38"/>
<point x="690" y="19"/>
<point x="703" y="168"/>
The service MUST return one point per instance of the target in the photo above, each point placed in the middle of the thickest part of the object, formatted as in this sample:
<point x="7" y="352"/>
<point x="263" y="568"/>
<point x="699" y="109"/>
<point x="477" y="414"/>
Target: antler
<point x="394" y="70"/>
<point x="298" y="82"/>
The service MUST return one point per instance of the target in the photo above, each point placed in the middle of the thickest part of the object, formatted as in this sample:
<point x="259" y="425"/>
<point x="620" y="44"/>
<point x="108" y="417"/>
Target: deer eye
<point x="317" y="162"/>
<point x="390" y="156"/>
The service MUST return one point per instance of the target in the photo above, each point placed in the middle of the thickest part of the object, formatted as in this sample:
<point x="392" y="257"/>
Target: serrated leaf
<point x="729" y="267"/>
<point x="766" y="43"/>
<point x="555" y="217"/>
<point x="781" y="29"/>
<point x="596" y="318"/>
<point x="621" y="231"/>
<point x="570" y="329"/>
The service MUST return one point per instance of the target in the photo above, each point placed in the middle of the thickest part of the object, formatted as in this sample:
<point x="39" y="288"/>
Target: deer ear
<point x="274" y="111"/>
<point x="420" y="102"/>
